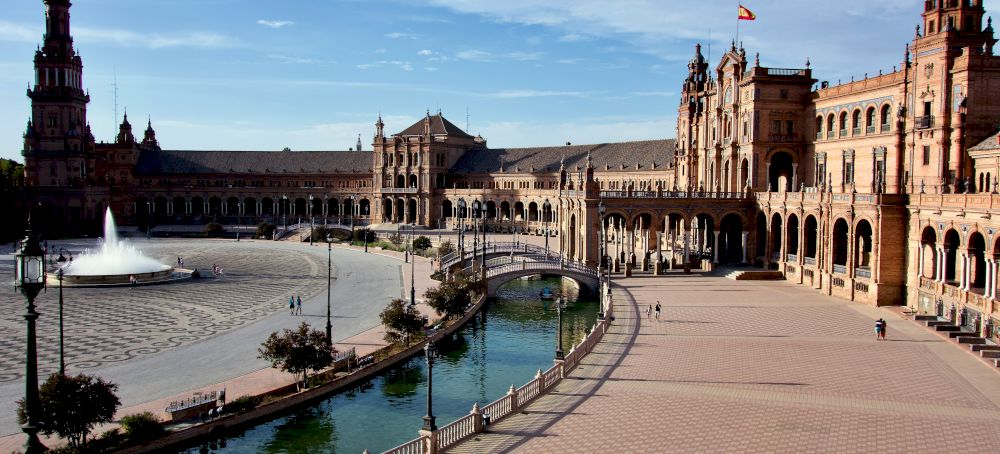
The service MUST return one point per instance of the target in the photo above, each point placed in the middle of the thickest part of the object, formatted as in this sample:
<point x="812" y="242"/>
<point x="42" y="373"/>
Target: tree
<point x="213" y="229"/>
<point x="421" y="243"/>
<point x="297" y="351"/>
<point x="400" y="321"/>
<point x="450" y="299"/>
<point x="359" y="235"/>
<point x="265" y="230"/>
<point x="71" y="405"/>
<point x="446" y="247"/>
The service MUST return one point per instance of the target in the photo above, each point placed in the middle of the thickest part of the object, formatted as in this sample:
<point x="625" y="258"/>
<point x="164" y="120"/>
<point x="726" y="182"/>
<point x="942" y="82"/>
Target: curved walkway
<point x="744" y="366"/>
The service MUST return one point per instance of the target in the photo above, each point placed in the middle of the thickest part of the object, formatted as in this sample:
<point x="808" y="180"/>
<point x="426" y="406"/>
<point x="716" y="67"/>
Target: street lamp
<point x="239" y="219"/>
<point x="310" y="219"/>
<point x="430" y="352"/>
<point x="413" y="262"/>
<point x="30" y="278"/>
<point x="62" y="351"/>
<point x="601" y="263"/>
<point x="329" y="278"/>
<point x="284" y="222"/>
<point x="476" y="206"/>
<point x="461" y="227"/>
<point x="559" y="309"/>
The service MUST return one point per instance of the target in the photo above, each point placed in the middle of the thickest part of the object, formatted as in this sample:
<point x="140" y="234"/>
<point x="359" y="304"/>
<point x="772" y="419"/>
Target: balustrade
<point x="810" y="261"/>
<point x="839" y="269"/>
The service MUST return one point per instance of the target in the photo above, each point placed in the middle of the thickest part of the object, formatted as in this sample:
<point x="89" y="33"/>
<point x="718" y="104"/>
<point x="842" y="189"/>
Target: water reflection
<point x="505" y="344"/>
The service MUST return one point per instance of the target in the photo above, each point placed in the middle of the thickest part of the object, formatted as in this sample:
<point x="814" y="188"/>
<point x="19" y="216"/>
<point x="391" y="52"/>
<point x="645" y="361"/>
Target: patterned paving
<point x="777" y="369"/>
<point x="110" y="325"/>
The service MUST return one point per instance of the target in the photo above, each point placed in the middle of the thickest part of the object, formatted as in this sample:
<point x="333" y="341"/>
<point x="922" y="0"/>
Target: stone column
<point x="920" y="263"/>
<point x="988" y="286"/>
<point x="687" y="246"/>
<point x="795" y="172"/>
<point x="715" y="248"/>
<point x="939" y="268"/>
<point x="963" y="273"/>
<point x="744" y="244"/>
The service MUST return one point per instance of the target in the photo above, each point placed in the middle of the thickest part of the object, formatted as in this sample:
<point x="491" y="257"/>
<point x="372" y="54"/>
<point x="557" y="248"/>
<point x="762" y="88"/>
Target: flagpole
<point x="737" y="24"/>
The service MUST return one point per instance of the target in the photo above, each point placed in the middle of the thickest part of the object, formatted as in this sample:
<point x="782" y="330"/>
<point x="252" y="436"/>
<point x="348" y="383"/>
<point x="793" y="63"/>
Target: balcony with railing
<point x="830" y="134"/>
<point x="839" y="269"/>
<point x="787" y="138"/>
<point x="925" y="122"/>
<point x="399" y="190"/>
<point x="792" y="258"/>
<point x="819" y="135"/>
<point x="863" y="272"/>
<point x="870" y="130"/>
<point x="885" y="127"/>
<point x="856" y="131"/>
<point x="810" y="261"/>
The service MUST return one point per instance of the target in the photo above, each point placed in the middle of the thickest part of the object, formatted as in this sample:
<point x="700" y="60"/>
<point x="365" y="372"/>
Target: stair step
<point x="925" y="318"/>
<point x="947" y="328"/>
<point x="934" y="323"/>
<point x="969" y="340"/>
<point x="986" y="347"/>
<point x="961" y="334"/>
<point x="990" y="354"/>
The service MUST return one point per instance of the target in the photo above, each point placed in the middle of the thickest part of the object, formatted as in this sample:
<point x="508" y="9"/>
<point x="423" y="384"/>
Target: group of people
<point x="295" y="305"/>
<point x="216" y="270"/>
<point x="180" y="262"/>
<point x="650" y="310"/>
<point x="880" y="328"/>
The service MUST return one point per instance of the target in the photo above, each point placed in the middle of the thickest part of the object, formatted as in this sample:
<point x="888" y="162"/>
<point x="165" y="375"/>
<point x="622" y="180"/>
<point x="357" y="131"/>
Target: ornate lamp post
<point x="476" y="206"/>
<point x="461" y="226"/>
<point x="413" y="261"/>
<point x="30" y="278"/>
<point x="559" y="309"/>
<point x="601" y="263"/>
<point x="329" y="278"/>
<point x="310" y="219"/>
<point x="284" y="222"/>
<point x="239" y="219"/>
<point x="62" y="350"/>
<point x="430" y="352"/>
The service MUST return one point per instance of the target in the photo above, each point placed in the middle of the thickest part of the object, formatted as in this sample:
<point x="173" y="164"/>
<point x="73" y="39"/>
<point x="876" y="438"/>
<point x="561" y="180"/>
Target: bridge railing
<point x="516" y="398"/>
<point x="542" y="265"/>
<point x="451" y="259"/>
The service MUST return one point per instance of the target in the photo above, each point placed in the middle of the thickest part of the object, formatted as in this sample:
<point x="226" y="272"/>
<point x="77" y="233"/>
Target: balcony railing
<point x="843" y="132"/>
<point x="839" y="269"/>
<point x="399" y="190"/>
<point x="783" y="138"/>
<point x="829" y="134"/>
<point x="810" y="261"/>
<point x="924" y="122"/>
<point x="793" y="258"/>
<point x="819" y="135"/>
<point x="856" y="131"/>
<point x="871" y="130"/>
<point x="886" y="127"/>
<point x="864" y="273"/>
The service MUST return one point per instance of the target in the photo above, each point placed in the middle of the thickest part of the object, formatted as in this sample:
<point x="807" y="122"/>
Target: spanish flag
<point x="746" y="14"/>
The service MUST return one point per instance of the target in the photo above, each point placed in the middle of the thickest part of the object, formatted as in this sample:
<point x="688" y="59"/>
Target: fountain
<point x="115" y="263"/>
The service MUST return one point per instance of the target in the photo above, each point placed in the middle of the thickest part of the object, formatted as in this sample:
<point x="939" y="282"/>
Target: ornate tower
<point x="58" y="144"/>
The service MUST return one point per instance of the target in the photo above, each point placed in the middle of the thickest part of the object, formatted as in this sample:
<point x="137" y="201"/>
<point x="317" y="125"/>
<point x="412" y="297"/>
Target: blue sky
<point x="312" y="74"/>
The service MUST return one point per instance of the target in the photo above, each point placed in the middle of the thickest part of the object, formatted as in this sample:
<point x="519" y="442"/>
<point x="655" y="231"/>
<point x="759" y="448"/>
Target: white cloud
<point x="380" y="50"/>
<point x="425" y="52"/>
<point x="153" y="40"/>
<point x="9" y="31"/>
<point x="401" y="35"/>
<point x="275" y="23"/>
<point x="474" y="55"/>
<point x="572" y="38"/>
<point x="298" y="60"/>
<point x="430" y="68"/>
<point x="569" y="61"/>
<point x="524" y="56"/>
<point x="404" y="65"/>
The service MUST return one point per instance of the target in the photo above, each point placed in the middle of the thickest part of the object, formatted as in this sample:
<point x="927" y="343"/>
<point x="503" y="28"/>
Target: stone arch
<point x="267" y="206"/>
<point x="731" y="238"/>
<point x="856" y="121"/>
<point x="952" y="241"/>
<point x="387" y="210"/>
<point x="886" y="112"/>
<point x="400" y="181"/>
<point x="332" y="206"/>
<point x="179" y="206"/>
<point x="160" y="205"/>
<point x="533" y="212"/>
<point x="928" y="247"/>
<point x="780" y="171"/>
<point x="365" y="207"/>
<point x="232" y="206"/>
<point x="775" y="233"/>
<point x="301" y="207"/>
<point x="411" y="211"/>
<point x="197" y="205"/>
<point x="811" y="230"/>
<point x="840" y="242"/>
<point x="413" y="181"/>
<point x="977" y="260"/>
<point x="760" y="238"/>
<point x="250" y="206"/>
<point x="863" y="244"/>
<point x="447" y="209"/>
<point x="792" y="235"/>
<point x="215" y="206"/>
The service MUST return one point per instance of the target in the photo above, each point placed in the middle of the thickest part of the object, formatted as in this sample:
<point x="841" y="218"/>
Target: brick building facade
<point x="880" y="190"/>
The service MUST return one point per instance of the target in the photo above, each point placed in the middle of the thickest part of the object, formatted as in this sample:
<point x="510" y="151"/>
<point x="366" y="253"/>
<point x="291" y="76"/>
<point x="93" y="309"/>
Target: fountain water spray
<point x="114" y="261"/>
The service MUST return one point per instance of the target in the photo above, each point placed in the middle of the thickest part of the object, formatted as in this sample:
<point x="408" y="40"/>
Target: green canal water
<point x="513" y="337"/>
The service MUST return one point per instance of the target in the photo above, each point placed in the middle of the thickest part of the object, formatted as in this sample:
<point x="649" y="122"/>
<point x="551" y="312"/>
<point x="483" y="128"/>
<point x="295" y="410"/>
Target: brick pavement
<point x="739" y="366"/>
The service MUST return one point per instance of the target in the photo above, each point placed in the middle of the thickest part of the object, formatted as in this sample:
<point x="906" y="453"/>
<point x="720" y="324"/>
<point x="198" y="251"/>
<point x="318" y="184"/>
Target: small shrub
<point x="421" y="243"/>
<point x="242" y="404"/>
<point x="213" y="229"/>
<point x="446" y="247"/>
<point x="359" y="235"/>
<point x="265" y="230"/>
<point x="396" y="239"/>
<point x="142" y="427"/>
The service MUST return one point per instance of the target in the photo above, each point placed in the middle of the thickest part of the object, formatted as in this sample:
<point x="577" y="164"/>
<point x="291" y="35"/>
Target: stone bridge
<point x="492" y="250"/>
<point x="498" y="273"/>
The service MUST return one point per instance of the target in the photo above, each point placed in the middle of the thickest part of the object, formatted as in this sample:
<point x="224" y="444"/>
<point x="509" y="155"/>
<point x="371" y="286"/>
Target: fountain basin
<point x="121" y="280"/>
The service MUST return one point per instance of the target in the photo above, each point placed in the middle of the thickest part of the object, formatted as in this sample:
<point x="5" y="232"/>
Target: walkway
<point x="741" y="366"/>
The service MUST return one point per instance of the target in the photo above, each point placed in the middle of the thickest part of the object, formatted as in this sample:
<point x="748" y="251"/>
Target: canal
<point x="513" y="337"/>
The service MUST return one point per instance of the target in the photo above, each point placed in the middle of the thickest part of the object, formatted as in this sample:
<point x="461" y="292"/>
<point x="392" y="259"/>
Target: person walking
<point x="298" y="304"/>
<point x="885" y="327"/>
<point x="649" y="311"/>
<point x="657" y="310"/>
<point x="878" y="329"/>
<point x="291" y="305"/>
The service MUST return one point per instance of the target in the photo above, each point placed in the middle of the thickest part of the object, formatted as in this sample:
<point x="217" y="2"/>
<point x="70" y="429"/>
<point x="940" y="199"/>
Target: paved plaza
<point x="161" y="340"/>
<point x="742" y="366"/>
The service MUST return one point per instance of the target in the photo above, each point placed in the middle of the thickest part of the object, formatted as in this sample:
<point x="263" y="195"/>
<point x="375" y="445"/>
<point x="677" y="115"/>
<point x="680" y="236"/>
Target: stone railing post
<point x="477" y="418"/>
<point x="562" y="369"/>
<point x="541" y="381"/>
<point x="430" y="441"/>
<point x="512" y="393"/>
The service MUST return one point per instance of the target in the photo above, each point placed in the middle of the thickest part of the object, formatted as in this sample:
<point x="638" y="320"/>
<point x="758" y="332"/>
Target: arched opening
<point x="267" y="205"/>
<point x="761" y="239"/>
<point x="411" y="215"/>
<point x="365" y="208"/>
<point x="928" y="246"/>
<point x="250" y="206"/>
<point x="819" y="127"/>
<point x="519" y="211"/>
<point x="775" y="237"/>
<point x="885" y="118"/>
<point x="301" y="207"/>
<point x="870" y="120"/>
<point x="317" y="207"/>
<point x="843" y="124"/>
<point x="214" y="206"/>
<point x="232" y="206"/>
<point x="160" y="206"/>
<point x="977" y="260"/>
<point x="570" y="240"/>
<point x="179" y="207"/>
<point x="387" y="214"/>
<point x="792" y="237"/>
<point x="413" y="181"/>
<point x="532" y="212"/>
<point x="779" y="176"/>
<point x="863" y="245"/>
<point x="547" y="212"/>
<point x="951" y="242"/>
<point x="731" y="239"/>
<point x="811" y="234"/>
<point x="744" y="176"/>
<point x="704" y="241"/>
<point x="399" y="215"/>
<point x="829" y="126"/>
<point x="491" y="210"/>
<point x="840" y="245"/>
<point x="198" y="205"/>
<point x="349" y="209"/>
<point x="856" y="122"/>
<point x="447" y="209"/>
<point x="400" y="181"/>
<point x="332" y="207"/>
<point x="505" y="211"/>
